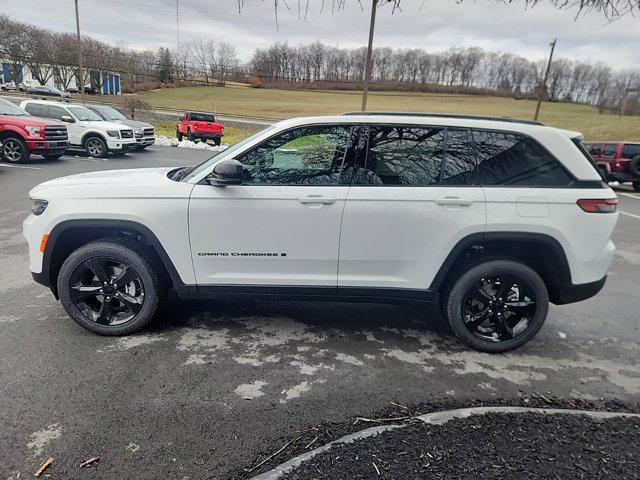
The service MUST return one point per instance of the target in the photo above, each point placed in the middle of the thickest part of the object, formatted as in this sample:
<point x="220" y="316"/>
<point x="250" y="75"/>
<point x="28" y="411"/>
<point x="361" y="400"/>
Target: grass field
<point x="278" y="104"/>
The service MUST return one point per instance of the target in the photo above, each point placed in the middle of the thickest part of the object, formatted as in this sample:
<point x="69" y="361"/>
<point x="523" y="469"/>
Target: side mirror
<point x="67" y="119"/>
<point x="227" y="172"/>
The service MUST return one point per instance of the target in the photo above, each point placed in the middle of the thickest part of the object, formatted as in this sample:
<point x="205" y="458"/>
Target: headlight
<point x="38" y="206"/>
<point x="34" y="130"/>
<point x="113" y="133"/>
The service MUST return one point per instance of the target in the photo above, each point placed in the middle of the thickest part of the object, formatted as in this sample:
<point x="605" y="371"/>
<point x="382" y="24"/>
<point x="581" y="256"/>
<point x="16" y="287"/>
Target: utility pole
<point x="367" y="68"/>
<point x="80" y="70"/>
<point x="625" y="97"/>
<point x="177" y="29"/>
<point x="543" y="87"/>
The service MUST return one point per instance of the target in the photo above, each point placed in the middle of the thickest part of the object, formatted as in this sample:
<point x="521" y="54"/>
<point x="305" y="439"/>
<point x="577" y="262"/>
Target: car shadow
<point x="177" y="313"/>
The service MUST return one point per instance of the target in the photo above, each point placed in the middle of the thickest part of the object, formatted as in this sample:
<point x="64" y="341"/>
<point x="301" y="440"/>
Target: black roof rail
<point x="446" y="115"/>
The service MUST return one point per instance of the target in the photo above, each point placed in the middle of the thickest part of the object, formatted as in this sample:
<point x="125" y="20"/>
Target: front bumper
<point x="121" y="144"/>
<point x="44" y="146"/>
<point x="145" y="142"/>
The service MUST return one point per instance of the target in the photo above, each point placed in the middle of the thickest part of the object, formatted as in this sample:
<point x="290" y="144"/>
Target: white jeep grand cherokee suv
<point x="87" y="130"/>
<point x="492" y="218"/>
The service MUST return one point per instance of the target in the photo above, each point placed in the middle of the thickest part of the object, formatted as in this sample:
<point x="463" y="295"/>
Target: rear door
<point x="411" y="201"/>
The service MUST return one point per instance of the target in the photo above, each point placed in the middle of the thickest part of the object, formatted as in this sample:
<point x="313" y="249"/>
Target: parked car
<point x="618" y="161"/>
<point x="203" y="126"/>
<point x="491" y="218"/>
<point x="22" y="135"/>
<point x="144" y="132"/>
<point x="8" y="87"/>
<point x="45" y="90"/>
<point x="73" y="90"/>
<point x="86" y="129"/>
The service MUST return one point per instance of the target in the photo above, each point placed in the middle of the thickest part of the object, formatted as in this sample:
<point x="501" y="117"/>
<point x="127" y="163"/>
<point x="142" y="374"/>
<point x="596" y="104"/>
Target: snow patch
<point x="174" y="142"/>
<point x="39" y="439"/>
<point x="562" y="335"/>
<point x="249" y="391"/>
<point x="343" y="357"/>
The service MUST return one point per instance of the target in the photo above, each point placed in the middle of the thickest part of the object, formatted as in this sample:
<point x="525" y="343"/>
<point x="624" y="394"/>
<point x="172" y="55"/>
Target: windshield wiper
<point x="181" y="173"/>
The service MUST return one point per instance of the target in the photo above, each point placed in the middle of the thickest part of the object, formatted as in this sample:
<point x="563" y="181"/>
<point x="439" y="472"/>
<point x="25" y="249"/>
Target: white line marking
<point x="20" y="166"/>
<point x="630" y="214"/>
<point x="637" y="197"/>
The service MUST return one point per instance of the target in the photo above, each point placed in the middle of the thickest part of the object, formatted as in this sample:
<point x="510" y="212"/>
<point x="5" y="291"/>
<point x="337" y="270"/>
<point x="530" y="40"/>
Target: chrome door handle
<point x="454" y="201"/>
<point x="316" y="199"/>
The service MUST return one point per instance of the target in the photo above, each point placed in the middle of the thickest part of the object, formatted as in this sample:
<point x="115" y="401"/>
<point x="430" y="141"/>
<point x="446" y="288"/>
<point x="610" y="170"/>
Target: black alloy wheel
<point x="15" y="150"/>
<point x="107" y="291"/>
<point x="497" y="305"/>
<point x="498" y="308"/>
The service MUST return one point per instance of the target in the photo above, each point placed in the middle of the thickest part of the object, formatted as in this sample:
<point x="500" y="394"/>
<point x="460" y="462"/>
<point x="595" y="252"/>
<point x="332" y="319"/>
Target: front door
<point x="412" y="199"/>
<point x="73" y="129"/>
<point x="281" y="227"/>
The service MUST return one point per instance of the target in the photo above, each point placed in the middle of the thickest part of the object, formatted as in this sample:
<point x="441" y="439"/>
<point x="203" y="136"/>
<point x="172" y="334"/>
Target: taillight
<point x="599" y="205"/>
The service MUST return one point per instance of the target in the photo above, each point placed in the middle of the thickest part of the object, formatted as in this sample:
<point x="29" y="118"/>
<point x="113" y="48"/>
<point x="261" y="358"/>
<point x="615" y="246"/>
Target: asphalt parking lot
<point x="211" y="387"/>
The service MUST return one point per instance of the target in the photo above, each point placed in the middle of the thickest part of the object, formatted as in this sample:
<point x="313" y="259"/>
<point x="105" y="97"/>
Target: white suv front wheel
<point x="497" y="305"/>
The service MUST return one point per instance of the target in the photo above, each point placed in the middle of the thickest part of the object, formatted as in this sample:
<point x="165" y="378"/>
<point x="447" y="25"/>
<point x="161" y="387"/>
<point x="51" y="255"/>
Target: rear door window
<point x="594" y="149"/>
<point x="630" y="150"/>
<point x="609" y="150"/>
<point x="402" y="156"/>
<point x="460" y="163"/>
<point x="511" y="159"/>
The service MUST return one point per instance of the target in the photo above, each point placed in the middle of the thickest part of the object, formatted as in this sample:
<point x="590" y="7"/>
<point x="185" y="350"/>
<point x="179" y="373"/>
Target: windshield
<point x="84" y="114"/>
<point x="112" y="113"/>
<point x="8" y="108"/>
<point x="229" y="151"/>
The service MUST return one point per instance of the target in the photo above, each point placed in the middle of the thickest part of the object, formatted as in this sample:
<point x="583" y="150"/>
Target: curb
<point x="436" y="418"/>
<point x="297" y="461"/>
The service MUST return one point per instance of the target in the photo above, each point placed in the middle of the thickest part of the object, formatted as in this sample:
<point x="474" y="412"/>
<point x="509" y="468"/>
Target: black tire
<point x="603" y="174"/>
<point x="141" y="147"/>
<point x="15" y="150"/>
<point x="191" y="136"/>
<point x="137" y="260"/>
<point x="95" y="146"/>
<point x="57" y="156"/>
<point x="634" y="166"/>
<point x="217" y="141"/>
<point x="179" y="135"/>
<point x="469" y="281"/>
<point x="636" y="186"/>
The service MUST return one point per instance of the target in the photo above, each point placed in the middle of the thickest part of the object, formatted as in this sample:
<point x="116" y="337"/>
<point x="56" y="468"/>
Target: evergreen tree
<point x="165" y="65"/>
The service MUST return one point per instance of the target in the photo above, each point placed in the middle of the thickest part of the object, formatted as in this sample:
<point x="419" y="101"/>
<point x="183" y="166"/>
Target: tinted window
<point x="460" y="163"/>
<point x="301" y="156"/>
<point x="201" y="117"/>
<point x="513" y="159"/>
<point x="594" y="149"/>
<point x="408" y="156"/>
<point x="57" y="112"/>
<point x="36" y="109"/>
<point x="610" y="150"/>
<point x="630" y="150"/>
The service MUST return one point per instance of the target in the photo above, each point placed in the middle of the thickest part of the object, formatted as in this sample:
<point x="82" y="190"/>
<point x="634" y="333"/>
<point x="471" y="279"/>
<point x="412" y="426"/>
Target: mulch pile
<point x="492" y="446"/>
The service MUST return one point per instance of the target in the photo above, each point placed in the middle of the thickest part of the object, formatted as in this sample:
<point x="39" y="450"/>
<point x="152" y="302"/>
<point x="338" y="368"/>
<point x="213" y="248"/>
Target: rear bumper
<point x="207" y="135"/>
<point x="576" y="293"/>
<point x="623" y="177"/>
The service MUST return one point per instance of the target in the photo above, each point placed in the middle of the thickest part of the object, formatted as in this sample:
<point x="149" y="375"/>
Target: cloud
<point x="438" y="25"/>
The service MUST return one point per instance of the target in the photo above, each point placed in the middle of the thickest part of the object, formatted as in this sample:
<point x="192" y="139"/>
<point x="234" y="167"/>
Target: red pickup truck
<point x="203" y="126"/>
<point x="21" y="135"/>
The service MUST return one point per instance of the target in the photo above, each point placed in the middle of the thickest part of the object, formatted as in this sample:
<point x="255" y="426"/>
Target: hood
<point x="28" y="120"/>
<point x="133" y="123"/>
<point x="111" y="183"/>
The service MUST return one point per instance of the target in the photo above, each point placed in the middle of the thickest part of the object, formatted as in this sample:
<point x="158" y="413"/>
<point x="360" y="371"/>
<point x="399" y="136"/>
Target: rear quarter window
<point x="36" y="109"/>
<point x="610" y="150"/>
<point x="511" y="159"/>
<point x="630" y="150"/>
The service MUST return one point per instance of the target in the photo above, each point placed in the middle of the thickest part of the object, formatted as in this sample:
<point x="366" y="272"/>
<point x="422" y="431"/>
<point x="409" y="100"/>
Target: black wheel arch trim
<point x="468" y="242"/>
<point x="45" y="277"/>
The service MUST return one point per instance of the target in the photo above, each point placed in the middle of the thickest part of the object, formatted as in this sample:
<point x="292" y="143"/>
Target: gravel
<point x="492" y="446"/>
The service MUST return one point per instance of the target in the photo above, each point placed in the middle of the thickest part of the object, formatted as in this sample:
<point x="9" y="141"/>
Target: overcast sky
<point x="439" y="25"/>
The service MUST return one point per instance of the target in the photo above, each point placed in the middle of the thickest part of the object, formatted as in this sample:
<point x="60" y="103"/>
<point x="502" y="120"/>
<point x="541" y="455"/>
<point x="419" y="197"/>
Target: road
<point x="212" y="385"/>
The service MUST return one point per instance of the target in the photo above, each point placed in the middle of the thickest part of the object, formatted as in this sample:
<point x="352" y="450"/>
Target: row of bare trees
<point x="456" y="70"/>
